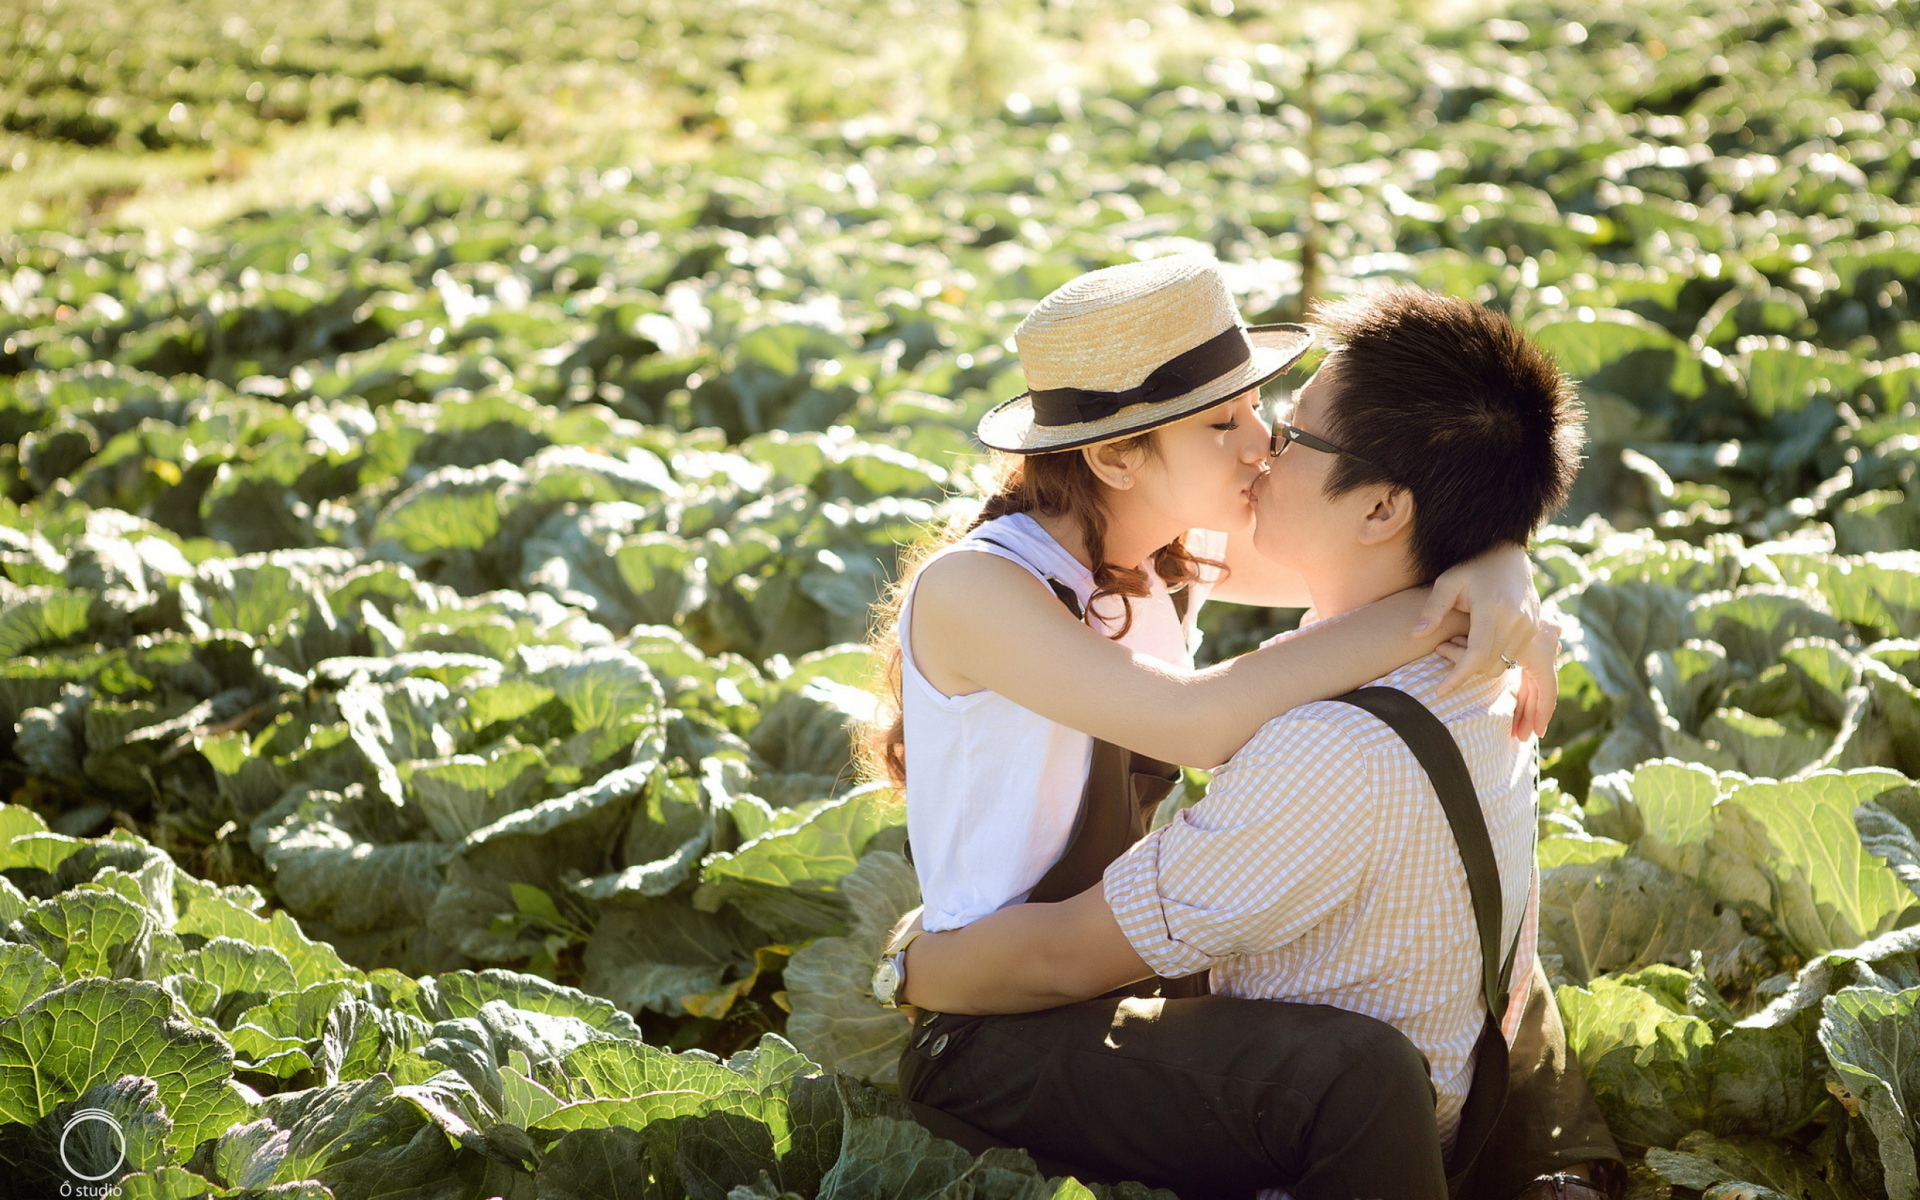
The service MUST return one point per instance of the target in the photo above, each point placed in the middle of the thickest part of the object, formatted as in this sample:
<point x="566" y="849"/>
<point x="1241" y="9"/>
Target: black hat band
<point x="1180" y="375"/>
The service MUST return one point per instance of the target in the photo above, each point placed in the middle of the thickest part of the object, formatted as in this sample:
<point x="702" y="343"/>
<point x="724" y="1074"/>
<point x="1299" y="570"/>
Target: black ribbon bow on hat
<point x="1179" y="375"/>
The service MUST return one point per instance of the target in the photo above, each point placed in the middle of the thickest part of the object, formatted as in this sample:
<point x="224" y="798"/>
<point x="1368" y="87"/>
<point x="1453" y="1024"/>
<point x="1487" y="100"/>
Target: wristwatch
<point x="891" y="975"/>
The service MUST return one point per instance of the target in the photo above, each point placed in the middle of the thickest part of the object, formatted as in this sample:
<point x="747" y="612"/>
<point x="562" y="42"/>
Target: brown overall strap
<point x="1116" y="809"/>
<point x="1117" y="801"/>
<point x="1439" y="755"/>
<point x="1068" y="597"/>
<point x="1117" y="804"/>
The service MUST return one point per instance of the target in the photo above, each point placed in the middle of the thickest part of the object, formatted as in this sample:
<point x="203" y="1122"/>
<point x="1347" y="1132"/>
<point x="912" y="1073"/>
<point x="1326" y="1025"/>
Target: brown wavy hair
<point x="1060" y="484"/>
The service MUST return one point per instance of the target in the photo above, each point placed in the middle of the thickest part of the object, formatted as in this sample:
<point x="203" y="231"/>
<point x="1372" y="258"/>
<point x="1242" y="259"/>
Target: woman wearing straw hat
<point x="1059" y="627"/>
<point x="1041" y="676"/>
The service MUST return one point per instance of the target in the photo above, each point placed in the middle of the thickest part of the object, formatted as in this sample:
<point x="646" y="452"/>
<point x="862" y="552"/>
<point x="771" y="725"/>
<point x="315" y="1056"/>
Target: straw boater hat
<point x="1123" y="350"/>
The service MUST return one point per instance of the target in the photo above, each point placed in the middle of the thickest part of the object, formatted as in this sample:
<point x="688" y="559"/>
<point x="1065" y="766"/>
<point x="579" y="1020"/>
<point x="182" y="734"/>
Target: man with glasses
<point x="1322" y="867"/>
<point x="1285" y="435"/>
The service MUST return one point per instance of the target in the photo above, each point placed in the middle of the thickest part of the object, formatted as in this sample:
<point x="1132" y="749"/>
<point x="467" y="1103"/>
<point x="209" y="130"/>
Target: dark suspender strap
<point x="1440" y="755"/>
<point x="1117" y="800"/>
<point x="1067" y="597"/>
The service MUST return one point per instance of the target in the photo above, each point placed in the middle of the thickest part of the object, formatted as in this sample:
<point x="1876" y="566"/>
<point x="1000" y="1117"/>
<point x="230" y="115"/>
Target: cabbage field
<point x="433" y="608"/>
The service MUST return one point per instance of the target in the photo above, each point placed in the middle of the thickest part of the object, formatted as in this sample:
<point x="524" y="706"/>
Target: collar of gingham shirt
<point x="1320" y="869"/>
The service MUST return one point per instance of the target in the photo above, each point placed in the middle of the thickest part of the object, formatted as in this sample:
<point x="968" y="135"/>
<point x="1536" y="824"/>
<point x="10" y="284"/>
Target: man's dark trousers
<point x="1212" y="1096"/>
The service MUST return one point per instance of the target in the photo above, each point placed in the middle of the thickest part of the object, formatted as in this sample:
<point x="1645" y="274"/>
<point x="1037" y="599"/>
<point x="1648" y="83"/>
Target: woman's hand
<point x="1495" y="590"/>
<point x="1539" y="687"/>
<point x="1539" y="683"/>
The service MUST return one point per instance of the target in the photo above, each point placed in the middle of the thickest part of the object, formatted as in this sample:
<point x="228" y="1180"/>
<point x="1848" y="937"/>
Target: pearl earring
<point x="1126" y="479"/>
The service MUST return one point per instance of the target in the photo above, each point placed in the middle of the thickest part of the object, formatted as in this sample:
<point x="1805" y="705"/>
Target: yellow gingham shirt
<point x="1320" y="869"/>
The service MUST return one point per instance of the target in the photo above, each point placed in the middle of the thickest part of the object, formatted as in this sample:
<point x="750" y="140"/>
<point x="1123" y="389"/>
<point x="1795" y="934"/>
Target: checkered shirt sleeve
<point x="1298" y="795"/>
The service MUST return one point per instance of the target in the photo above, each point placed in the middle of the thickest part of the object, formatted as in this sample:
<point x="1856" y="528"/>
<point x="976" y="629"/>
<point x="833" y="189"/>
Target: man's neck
<point x="1356" y="585"/>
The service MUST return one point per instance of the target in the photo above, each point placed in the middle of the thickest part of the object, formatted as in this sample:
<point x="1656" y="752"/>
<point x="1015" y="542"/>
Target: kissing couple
<point x="1319" y="980"/>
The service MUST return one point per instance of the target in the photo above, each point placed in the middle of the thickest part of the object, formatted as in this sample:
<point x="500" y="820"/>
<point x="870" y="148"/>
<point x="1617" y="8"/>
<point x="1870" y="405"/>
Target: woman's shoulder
<point x="953" y="569"/>
<point x="1019" y="537"/>
<point x="959" y="599"/>
<point x="986" y="558"/>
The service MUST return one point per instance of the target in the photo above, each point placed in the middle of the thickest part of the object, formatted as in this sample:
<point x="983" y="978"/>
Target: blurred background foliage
<point x="1703" y="208"/>
<point x="446" y="451"/>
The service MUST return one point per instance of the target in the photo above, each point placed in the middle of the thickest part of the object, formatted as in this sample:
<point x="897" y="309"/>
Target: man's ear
<point x="1389" y="517"/>
<point x="1111" y="465"/>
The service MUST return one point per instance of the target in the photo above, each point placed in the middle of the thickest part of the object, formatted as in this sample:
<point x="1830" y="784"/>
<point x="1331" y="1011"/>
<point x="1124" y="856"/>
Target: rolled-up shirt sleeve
<point x="1277" y="845"/>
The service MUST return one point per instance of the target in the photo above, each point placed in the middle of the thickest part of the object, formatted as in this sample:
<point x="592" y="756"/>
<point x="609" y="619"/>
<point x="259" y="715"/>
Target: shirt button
<point x="939" y="1044"/>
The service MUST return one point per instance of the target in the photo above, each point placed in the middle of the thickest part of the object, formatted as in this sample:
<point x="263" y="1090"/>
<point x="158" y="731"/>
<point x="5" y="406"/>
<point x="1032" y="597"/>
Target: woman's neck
<point x="1126" y="543"/>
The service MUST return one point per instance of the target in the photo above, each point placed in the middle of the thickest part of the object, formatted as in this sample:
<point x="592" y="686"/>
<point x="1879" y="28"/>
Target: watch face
<point x="886" y="981"/>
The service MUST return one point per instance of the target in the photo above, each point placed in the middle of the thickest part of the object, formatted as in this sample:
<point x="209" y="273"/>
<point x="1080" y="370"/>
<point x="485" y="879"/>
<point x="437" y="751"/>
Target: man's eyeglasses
<point x="1284" y="433"/>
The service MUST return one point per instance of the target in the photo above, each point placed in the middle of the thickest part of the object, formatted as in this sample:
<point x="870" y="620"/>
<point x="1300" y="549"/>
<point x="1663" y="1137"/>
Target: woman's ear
<point x="1389" y="517"/>
<point x="1113" y="465"/>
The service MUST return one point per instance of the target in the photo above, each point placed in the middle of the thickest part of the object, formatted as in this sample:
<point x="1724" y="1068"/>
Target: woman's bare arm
<point x="1496" y="590"/>
<point x="981" y="621"/>
<point x="1496" y="586"/>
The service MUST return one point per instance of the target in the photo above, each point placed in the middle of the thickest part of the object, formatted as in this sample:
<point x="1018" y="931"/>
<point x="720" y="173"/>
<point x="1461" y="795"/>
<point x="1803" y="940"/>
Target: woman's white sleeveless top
<point x="993" y="788"/>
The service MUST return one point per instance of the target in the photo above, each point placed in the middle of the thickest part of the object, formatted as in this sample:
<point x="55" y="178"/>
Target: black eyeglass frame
<point x="1284" y="433"/>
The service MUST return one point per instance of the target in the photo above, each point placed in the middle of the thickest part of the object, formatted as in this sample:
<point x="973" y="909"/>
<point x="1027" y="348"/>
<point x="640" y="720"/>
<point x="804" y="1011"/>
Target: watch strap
<point x="900" y="947"/>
